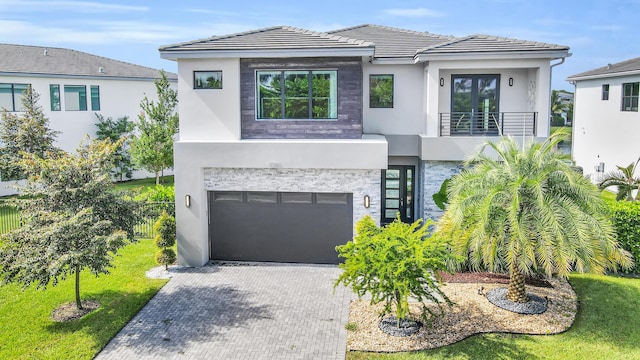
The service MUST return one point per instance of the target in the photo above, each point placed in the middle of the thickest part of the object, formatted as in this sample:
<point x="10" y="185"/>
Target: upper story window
<point x="207" y="79"/>
<point x="630" y="93"/>
<point x="605" y="91"/>
<point x="54" y="95"/>
<point x="95" y="97"/>
<point x="297" y="94"/>
<point x="11" y="96"/>
<point x="75" y="97"/>
<point x="380" y="91"/>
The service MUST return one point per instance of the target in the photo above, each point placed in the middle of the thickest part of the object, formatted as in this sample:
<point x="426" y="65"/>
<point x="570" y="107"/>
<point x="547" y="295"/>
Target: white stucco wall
<point x="209" y="114"/>
<point x="601" y="131"/>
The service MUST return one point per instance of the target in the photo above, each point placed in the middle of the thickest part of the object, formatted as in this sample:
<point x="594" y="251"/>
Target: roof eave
<point x="79" y="76"/>
<point x="603" y="76"/>
<point x="265" y="53"/>
<point x="393" y="60"/>
<point x="475" y="55"/>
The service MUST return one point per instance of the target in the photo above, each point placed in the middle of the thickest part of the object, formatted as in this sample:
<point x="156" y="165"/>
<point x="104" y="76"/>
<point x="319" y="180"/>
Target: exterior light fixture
<point x="187" y="200"/>
<point x="511" y="81"/>
<point x="367" y="201"/>
<point x="441" y="81"/>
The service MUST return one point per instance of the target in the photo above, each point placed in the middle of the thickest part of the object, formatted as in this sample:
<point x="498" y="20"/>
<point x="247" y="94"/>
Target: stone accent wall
<point x="358" y="182"/>
<point x="349" y="122"/>
<point x="433" y="174"/>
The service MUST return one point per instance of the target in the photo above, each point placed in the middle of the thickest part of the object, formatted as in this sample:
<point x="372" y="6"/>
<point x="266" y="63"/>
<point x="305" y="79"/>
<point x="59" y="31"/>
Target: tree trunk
<point x="157" y="178"/>
<point x="516" y="292"/>
<point x="78" y="302"/>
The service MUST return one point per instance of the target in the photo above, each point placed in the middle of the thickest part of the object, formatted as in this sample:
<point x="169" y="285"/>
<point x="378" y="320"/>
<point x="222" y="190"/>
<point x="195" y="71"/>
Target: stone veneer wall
<point x="433" y="174"/>
<point x="358" y="182"/>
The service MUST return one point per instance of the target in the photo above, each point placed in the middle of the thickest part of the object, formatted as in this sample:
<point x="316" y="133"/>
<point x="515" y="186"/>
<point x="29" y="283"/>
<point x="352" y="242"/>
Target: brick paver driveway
<point x="264" y="311"/>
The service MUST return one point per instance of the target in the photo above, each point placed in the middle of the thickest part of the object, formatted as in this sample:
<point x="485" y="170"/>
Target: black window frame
<point x="16" y="101"/>
<point x="605" y="91"/>
<point x="200" y="75"/>
<point x="381" y="105"/>
<point x="630" y="100"/>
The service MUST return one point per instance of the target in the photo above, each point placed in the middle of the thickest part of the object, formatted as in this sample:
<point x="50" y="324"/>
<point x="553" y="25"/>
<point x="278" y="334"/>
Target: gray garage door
<point x="279" y="226"/>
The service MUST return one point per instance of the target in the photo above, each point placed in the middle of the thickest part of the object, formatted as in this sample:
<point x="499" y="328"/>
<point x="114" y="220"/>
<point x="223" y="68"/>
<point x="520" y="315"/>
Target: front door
<point x="398" y="193"/>
<point x="474" y="105"/>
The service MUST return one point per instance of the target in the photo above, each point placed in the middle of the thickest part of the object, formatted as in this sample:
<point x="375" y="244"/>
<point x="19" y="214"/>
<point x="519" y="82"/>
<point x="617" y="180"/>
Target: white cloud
<point x="67" y="6"/>
<point x="418" y="12"/>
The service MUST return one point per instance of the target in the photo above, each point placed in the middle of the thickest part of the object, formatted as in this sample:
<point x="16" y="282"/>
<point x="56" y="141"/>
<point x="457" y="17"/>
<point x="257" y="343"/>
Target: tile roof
<point x="393" y="42"/>
<point x="68" y="62"/>
<point x="486" y="43"/>
<point x="272" y="38"/>
<point x="610" y="70"/>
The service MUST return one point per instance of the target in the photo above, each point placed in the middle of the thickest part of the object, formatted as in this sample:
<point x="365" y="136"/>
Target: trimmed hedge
<point x="625" y="216"/>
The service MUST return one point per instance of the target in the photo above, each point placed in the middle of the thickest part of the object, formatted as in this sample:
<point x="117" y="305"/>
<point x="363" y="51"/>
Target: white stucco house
<point x="606" y="118"/>
<point x="288" y="137"/>
<point x="73" y="87"/>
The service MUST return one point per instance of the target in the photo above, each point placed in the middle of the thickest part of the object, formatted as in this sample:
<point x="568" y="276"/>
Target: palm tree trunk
<point x="516" y="292"/>
<point x="78" y="302"/>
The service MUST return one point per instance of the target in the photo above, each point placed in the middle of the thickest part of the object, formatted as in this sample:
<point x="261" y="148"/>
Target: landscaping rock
<point x="535" y="305"/>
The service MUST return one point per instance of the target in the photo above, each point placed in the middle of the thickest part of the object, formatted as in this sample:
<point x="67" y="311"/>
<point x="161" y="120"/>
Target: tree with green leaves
<point x="625" y="180"/>
<point x="165" y="228"/>
<point x="115" y="130"/>
<point x="394" y="263"/>
<point x="27" y="131"/>
<point x="152" y="148"/>
<point x="529" y="212"/>
<point x="73" y="219"/>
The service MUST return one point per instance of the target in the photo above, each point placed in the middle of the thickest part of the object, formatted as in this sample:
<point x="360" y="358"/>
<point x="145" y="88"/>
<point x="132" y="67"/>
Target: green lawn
<point x="27" y="332"/>
<point x="607" y="326"/>
<point x="144" y="184"/>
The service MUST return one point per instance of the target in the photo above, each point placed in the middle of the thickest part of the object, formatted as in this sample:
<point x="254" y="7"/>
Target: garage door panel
<point x="293" y="229"/>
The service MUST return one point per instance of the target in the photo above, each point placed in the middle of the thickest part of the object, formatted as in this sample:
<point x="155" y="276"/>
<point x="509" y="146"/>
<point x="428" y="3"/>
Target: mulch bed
<point x="69" y="311"/>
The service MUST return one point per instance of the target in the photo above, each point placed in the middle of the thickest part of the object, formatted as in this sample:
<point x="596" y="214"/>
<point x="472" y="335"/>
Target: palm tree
<point x="529" y="212"/>
<point x="624" y="180"/>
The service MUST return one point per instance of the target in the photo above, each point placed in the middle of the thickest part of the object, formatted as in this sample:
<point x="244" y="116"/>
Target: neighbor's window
<point x="54" y="95"/>
<point x="297" y="94"/>
<point x="75" y="97"/>
<point x="605" y="91"/>
<point x="11" y="96"/>
<point x="207" y="79"/>
<point x="381" y="91"/>
<point x="630" y="96"/>
<point x="95" y="97"/>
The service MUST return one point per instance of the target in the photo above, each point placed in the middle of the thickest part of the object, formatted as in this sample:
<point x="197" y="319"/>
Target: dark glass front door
<point x="398" y="193"/>
<point x="474" y="104"/>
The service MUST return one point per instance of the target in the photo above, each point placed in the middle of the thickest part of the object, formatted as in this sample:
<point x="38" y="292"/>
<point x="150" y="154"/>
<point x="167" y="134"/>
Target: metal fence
<point x="10" y="217"/>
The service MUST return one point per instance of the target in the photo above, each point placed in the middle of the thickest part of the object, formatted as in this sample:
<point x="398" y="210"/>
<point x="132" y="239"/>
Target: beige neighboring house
<point x="73" y="87"/>
<point x="288" y="136"/>
<point x="606" y="118"/>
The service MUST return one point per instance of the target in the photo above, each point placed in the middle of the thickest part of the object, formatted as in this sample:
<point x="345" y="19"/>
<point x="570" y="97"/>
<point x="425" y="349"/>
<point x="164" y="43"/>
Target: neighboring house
<point x="288" y="137"/>
<point x="73" y="87"/>
<point x="606" y="119"/>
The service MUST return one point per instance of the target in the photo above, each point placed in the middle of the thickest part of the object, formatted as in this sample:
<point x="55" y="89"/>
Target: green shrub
<point x="393" y="263"/>
<point x="625" y="216"/>
<point x="165" y="228"/>
<point x="161" y="193"/>
<point x="166" y="257"/>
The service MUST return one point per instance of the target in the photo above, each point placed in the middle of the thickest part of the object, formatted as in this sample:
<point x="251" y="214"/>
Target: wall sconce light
<point x="187" y="200"/>
<point x="367" y="201"/>
<point x="510" y="81"/>
<point x="441" y="81"/>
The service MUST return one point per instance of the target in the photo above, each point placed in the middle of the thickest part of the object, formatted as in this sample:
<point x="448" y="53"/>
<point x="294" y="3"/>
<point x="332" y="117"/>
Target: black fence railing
<point x="488" y="124"/>
<point x="10" y="217"/>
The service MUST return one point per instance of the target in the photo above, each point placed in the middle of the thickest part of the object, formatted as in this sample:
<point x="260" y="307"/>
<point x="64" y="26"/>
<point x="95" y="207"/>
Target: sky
<point x="597" y="31"/>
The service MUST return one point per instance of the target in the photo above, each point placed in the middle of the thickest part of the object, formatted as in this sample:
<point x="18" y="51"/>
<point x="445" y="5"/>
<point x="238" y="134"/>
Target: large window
<point x="75" y="97"/>
<point x="630" y="96"/>
<point x="297" y="94"/>
<point x="11" y="96"/>
<point x="381" y="91"/>
<point x="95" y="97"/>
<point x="605" y="91"/>
<point x="54" y="94"/>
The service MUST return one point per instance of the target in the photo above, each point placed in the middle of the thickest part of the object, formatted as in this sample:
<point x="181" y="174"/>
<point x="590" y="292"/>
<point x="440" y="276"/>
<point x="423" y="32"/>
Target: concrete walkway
<point x="265" y="311"/>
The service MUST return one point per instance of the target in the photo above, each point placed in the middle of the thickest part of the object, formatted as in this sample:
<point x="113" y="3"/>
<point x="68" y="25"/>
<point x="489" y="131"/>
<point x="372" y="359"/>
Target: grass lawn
<point x="144" y="184"/>
<point x="27" y="331"/>
<point x="607" y="326"/>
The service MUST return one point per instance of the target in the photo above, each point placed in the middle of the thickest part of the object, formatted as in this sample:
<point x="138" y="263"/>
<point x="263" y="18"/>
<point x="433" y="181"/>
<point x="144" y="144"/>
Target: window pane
<point x="269" y="95"/>
<point x="235" y="196"/>
<point x="75" y="98"/>
<point x="6" y="97"/>
<point x="381" y="91"/>
<point x="95" y="97"/>
<point x="207" y="79"/>
<point x="296" y="99"/>
<point x="325" y="198"/>
<point x="18" y="92"/>
<point x="54" y="94"/>
<point x="296" y="198"/>
<point x="325" y="99"/>
<point x="262" y="197"/>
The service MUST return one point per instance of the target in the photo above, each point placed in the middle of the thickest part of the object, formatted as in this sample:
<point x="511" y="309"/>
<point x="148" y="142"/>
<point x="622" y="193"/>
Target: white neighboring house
<point x="606" y="118"/>
<point x="288" y="137"/>
<point x="73" y="87"/>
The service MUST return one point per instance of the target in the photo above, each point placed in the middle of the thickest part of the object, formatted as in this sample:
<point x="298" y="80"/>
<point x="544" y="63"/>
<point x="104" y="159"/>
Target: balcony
<point x="488" y="124"/>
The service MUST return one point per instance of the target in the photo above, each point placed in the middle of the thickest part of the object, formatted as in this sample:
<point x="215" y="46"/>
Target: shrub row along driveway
<point x="272" y="311"/>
